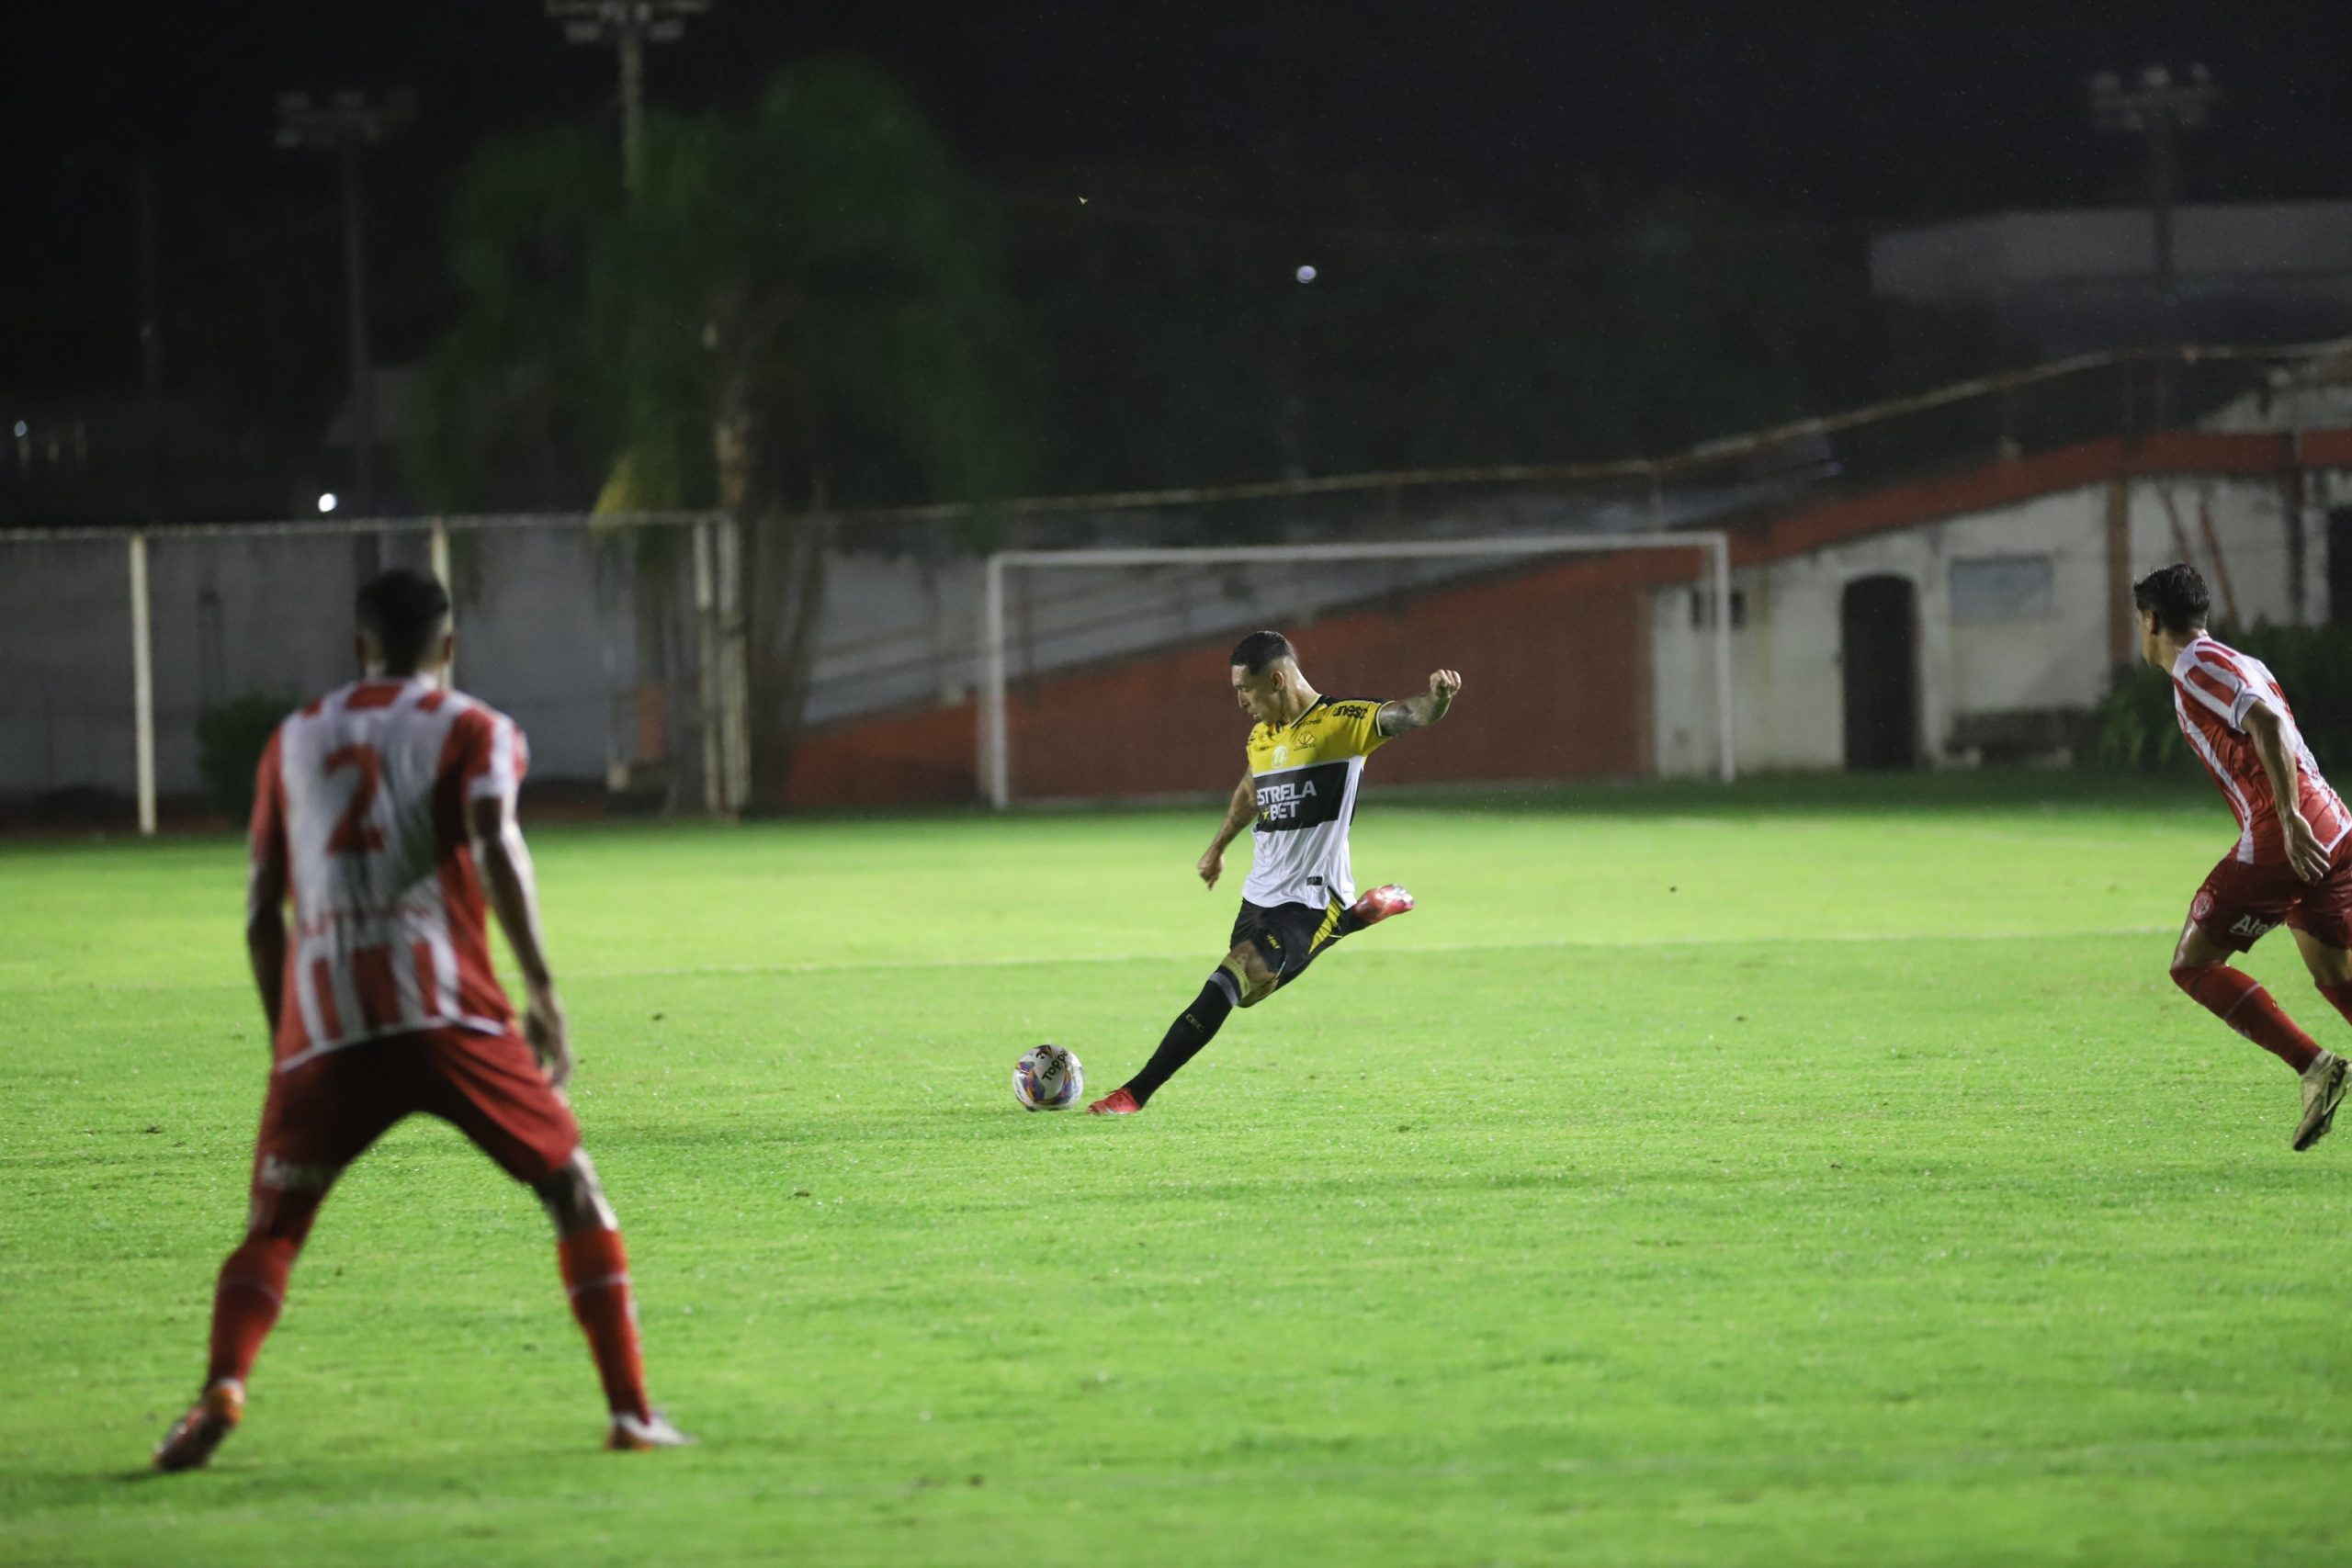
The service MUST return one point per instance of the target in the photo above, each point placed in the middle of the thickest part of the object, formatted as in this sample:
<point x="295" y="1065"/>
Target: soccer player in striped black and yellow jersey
<point x="1307" y="758"/>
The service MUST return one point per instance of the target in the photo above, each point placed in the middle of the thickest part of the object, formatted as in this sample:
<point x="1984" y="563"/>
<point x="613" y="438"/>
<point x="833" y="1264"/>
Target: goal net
<point x="1103" y="672"/>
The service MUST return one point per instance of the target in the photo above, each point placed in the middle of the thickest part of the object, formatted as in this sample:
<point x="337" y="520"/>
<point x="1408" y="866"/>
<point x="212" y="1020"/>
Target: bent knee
<point x="2187" y="976"/>
<point x="573" y="1197"/>
<point x="1248" y="967"/>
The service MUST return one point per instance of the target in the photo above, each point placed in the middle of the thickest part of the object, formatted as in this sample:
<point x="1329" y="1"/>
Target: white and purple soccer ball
<point x="1047" y="1078"/>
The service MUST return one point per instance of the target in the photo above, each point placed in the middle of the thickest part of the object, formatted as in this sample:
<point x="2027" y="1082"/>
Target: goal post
<point x="994" y="738"/>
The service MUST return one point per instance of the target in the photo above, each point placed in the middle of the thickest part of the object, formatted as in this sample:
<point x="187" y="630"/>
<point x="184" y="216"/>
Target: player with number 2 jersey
<point x="385" y="811"/>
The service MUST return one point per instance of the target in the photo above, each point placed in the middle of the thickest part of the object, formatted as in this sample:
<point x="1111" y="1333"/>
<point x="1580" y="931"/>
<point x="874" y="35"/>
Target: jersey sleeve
<point x="1355" y="730"/>
<point x="2221" y="688"/>
<point x="492" y="755"/>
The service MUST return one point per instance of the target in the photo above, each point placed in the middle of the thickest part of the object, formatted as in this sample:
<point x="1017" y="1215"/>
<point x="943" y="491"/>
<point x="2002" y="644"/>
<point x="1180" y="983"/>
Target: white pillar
<point x="706" y="702"/>
<point x="1727" y="726"/>
<point x="734" y="665"/>
<point x="996" y="775"/>
<point x="142" y="684"/>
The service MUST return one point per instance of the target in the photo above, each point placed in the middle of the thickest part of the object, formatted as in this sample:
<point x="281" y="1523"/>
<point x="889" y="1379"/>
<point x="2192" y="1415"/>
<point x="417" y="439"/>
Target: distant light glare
<point x="22" y="427"/>
<point x="326" y="501"/>
<point x="1307" y="275"/>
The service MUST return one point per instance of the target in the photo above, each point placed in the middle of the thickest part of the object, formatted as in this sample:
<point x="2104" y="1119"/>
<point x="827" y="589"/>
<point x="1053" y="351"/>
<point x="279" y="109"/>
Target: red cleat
<point x="1380" y="903"/>
<point x="1118" y="1102"/>
<point x="189" y="1444"/>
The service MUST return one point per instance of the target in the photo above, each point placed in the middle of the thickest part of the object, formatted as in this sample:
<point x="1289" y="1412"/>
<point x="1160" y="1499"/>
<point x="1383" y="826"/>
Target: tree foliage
<point x="801" y="309"/>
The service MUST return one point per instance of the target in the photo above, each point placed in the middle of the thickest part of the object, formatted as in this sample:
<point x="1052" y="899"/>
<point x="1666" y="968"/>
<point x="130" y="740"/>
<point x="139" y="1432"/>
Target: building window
<point x="2002" y="588"/>
<point x="1702" y="609"/>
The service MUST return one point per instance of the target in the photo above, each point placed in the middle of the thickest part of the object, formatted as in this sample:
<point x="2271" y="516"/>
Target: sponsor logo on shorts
<point x="2253" y="929"/>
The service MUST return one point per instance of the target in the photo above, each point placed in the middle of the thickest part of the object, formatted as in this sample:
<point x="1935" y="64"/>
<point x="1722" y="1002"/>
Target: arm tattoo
<point x="1409" y="712"/>
<point x="1240" y="811"/>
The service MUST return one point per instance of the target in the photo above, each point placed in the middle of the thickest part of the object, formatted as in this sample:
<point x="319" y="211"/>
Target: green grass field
<point x="1802" y="1174"/>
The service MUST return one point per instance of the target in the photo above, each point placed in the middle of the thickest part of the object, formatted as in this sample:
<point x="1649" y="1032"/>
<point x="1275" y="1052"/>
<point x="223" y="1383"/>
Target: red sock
<point x="595" y="1271"/>
<point x="245" y="1303"/>
<point x="2238" y="999"/>
<point x="2340" y="997"/>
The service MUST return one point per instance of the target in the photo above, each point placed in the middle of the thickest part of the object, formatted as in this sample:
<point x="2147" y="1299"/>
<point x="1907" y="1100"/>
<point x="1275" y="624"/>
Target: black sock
<point x="1193" y="1028"/>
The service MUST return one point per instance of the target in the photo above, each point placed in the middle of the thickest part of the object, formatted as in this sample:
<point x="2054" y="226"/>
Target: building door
<point x="1879" y="642"/>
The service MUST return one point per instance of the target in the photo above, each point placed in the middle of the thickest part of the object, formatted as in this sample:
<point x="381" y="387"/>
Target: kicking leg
<point x="1371" y="909"/>
<point x="1244" y="980"/>
<point x="2200" y="967"/>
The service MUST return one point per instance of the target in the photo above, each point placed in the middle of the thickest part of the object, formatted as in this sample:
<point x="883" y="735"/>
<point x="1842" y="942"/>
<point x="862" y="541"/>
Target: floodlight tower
<point x="631" y="25"/>
<point x="346" y="124"/>
<point x="2159" y="108"/>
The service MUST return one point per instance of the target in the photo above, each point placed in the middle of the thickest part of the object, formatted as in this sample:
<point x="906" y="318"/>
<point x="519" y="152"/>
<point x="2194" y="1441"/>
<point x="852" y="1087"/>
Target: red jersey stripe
<point x="2203" y="680"/>
<point x="323" y="986"/>
<point x="371" y="979"/>
<point x="428" y="987"/>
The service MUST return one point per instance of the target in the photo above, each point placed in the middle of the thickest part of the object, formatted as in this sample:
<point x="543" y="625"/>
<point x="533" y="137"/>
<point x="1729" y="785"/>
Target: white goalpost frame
<point x="995" y="758"/>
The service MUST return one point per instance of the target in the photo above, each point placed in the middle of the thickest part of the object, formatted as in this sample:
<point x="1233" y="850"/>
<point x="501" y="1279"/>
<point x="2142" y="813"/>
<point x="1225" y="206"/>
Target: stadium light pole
<point x="2158" y="107"/>
<point x="631" y="25"/>
<point x="345" y="125"/>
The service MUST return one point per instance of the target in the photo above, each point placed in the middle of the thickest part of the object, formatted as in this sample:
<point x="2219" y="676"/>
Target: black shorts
<point x="1288" y="936"/>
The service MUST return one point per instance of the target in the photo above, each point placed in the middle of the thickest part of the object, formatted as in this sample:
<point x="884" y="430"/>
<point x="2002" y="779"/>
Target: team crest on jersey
<point x="2201" y="907"/>
<point x="1282" y="755"/>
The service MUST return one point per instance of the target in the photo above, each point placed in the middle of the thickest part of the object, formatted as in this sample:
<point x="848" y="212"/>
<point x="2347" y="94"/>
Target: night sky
<point x="1545" y="116"/>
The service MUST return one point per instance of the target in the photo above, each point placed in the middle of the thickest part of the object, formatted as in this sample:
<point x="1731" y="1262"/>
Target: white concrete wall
<point x="1788" y="680"/>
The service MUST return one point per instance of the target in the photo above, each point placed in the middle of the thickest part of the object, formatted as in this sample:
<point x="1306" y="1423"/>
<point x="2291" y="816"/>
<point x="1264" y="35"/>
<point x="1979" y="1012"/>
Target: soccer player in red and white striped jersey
<point x="384" y="810"/>
<point x="2292" y="863"/>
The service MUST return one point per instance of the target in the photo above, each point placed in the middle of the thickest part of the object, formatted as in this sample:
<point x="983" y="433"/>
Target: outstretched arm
<point x="514" y="898"/>
<point x="1240" y="812"/>
<point x="1419" y="713"/>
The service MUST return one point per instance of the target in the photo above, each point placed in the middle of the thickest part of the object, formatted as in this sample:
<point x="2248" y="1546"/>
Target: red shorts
<point x="323" y="1114"/>
<point x="2241" y="903"/>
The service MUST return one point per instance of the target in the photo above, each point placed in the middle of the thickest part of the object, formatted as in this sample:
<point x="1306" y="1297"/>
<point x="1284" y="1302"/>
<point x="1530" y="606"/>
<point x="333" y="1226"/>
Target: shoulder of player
<point x="2206" y="653"/>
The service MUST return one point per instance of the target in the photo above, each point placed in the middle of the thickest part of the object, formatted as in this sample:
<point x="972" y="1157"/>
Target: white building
<point x="1979" y="617"/>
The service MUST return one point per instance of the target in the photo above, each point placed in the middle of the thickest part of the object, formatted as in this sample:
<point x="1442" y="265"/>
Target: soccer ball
<point x="1047" y="1078"/>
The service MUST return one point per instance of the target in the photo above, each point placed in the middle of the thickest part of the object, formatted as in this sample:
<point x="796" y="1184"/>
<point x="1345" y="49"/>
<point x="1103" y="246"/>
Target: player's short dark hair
<point x="2178" y="596"/>
<point x="404" y="610"/>
<point x="1258" y="650"/>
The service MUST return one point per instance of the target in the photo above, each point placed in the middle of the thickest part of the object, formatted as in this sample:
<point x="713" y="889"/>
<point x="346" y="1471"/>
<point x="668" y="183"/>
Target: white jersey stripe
<point x="2213" y="765"/>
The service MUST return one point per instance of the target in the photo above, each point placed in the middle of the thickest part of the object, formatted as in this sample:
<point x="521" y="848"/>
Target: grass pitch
<point x="1821" y="1175"/>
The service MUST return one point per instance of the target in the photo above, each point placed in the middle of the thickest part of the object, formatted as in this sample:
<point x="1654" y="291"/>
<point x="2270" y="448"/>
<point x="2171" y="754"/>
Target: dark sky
<point x="1540" y="113"/>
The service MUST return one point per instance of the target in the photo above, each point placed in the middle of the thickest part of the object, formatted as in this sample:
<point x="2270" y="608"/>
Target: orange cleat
<point x="189" y="1444"/>
<point x="1118" y="1102"/>
<point x="1380" y="903"/>
<point x="631" y="1436"/>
